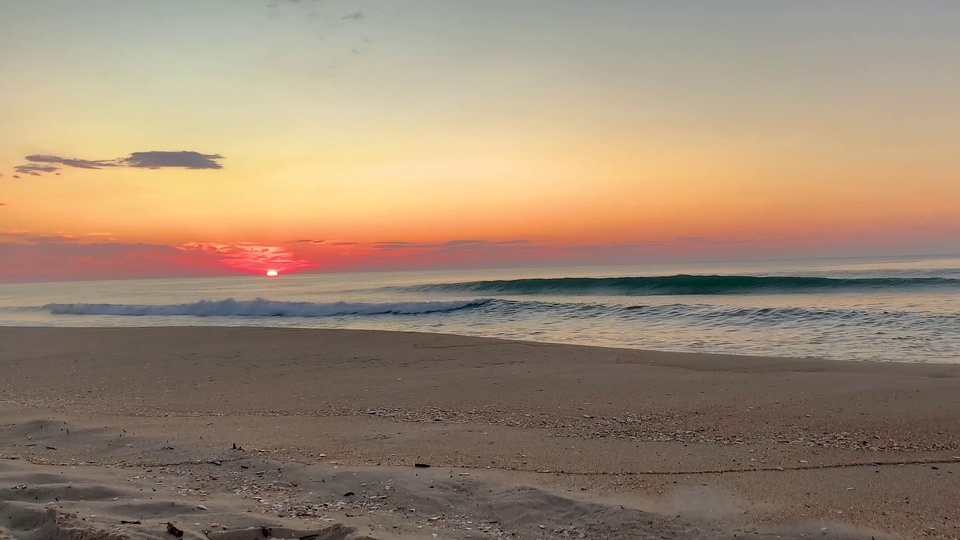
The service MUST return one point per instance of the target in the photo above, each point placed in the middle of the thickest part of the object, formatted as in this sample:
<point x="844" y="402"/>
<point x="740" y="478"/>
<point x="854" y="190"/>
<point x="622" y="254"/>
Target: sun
<point x="272" y="273"/>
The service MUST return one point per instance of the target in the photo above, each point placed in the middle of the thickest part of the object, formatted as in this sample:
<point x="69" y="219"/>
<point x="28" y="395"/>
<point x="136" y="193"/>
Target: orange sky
<point x="141" y="139"/>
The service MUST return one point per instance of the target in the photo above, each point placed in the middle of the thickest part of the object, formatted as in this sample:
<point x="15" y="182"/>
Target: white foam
<point x="261" y="308"/>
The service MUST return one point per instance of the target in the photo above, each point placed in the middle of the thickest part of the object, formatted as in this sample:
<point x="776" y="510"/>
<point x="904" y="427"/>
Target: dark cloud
<point x="355" y="16"/>
<point x="396" y="245"/>
<point x="454" y="245"/>
<point x="72" y="162"/>
<point x="35" y="170"/>
<point x="463" y="243"/>
<point x="338" y="244"/>
<point x="48" y="163"/>
<point x="309" y="241"/>
<point x="3" y="204"/>
<point x="17" y="176"/>
<point x="474" y="243"/>
<point x="183" y="160"/>
<point x="481" y="245"/>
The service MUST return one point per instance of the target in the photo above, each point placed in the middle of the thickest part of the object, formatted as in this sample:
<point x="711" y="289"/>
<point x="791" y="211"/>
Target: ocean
<point x="881" y="309"/>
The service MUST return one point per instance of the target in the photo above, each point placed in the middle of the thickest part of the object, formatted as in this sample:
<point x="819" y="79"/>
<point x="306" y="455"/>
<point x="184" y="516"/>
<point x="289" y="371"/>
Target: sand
<point x="524" y="440"/>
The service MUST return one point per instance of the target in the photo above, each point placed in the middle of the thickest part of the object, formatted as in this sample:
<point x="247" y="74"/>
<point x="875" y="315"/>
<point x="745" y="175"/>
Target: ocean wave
<point x="709" y="315"/>
<point x="723" y="315"/>
<point x="262" y="308"/>
<point x="683" y="284"/>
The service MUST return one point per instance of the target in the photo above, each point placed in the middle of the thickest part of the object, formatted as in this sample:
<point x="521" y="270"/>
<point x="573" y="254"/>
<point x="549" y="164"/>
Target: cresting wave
<point x="684" y="285"/>
<point x="262" y="308"/>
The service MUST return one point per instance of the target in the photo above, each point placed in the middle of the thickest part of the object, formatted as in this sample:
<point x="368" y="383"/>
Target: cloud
<point x="182" y="159"/>
<point x="700" y="241"/>
<point x="355" y="16"/>
<point x="471" y="243"/>
<point x="71" y="162"/>
<point x="396" y="245"/>
<point x="52" y="260"/>
<point x="251" y="257"/>
<point x="463" y="243"/>
<point x="35" y="170"/>
<point x="453" y="245"/>
<point x="308" y="242"/>
<point x="31" y="256"/>
<point x="49" y="163"/>
<point x="3" y="204"/>
<point x="708" y="240"/>
<point x="26" y="237"/>
<point x="338" y="244"/>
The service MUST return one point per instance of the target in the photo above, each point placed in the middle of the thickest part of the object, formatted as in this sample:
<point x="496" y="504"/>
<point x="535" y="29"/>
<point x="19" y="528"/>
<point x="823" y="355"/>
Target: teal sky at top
<point x="201" y="68"/>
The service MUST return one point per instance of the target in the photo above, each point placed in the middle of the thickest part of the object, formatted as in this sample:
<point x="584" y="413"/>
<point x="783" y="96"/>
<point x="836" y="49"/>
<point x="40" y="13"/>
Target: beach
<point x="239" y="428"/>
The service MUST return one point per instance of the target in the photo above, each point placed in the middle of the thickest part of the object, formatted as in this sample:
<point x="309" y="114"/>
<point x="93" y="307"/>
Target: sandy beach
<point x="237" y="433"/>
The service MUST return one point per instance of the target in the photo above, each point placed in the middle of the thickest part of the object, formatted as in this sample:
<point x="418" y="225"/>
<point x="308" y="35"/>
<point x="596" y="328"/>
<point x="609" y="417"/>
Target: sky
<point x="141" y="138"/>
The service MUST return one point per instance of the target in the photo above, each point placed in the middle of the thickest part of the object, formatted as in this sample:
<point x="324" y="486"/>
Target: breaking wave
<point x="262" y="308"/>
<point x="685" y="285"/>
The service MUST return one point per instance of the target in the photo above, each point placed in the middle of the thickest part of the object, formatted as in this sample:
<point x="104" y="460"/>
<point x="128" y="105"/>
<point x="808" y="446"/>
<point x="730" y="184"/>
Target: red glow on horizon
<point x="256" y="259"/>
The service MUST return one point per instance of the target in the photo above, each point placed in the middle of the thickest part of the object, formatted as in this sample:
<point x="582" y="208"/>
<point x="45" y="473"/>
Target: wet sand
<point x="523" y="440"/>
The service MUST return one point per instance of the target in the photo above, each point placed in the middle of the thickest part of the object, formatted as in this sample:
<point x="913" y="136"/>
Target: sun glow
<point x="272" y="273"/>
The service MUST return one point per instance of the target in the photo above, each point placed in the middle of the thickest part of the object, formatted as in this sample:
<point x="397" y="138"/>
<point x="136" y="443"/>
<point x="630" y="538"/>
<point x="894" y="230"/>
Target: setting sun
<point x="272" y="273"/>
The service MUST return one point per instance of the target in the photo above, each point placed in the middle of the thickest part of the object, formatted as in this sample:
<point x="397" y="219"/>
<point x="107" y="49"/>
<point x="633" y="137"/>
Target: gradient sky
<point x="198" y="137"/>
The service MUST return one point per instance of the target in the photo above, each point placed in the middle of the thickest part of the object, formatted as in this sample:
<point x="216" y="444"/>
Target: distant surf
<point x="262" y="308"/>
<point x="683" y="284"/>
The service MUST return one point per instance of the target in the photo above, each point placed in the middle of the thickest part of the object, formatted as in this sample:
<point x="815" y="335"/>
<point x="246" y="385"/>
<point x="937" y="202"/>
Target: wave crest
<point x="683" y="284"/>
<point x="262" y="308"/>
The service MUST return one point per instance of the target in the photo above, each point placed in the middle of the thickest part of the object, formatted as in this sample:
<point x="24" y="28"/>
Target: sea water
<point x="883" y="309"/>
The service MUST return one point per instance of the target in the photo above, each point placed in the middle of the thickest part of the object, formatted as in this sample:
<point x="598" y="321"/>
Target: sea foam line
<point x="262" y="308"/>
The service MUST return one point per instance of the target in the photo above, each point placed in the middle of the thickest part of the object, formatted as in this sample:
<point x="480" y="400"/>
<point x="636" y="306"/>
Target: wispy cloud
<point x="46" y="258"/>
<point x="101" y="255"/>
<point x="251" y="257"/>
<point x="30" y="255"/>
<point x="24" y="236"/>
<point x="35" y="170"/>
<point x="452" y="245"/>
<point x="71" y="162"/>
<point x="355" y="16"/>
<point x="40" y="164"/>
<point x="395" y="245"/>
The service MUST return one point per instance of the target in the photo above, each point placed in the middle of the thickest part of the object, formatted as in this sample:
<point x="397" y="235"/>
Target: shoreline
<point x="685" y="441"/>
<point x="661" y="357"/>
